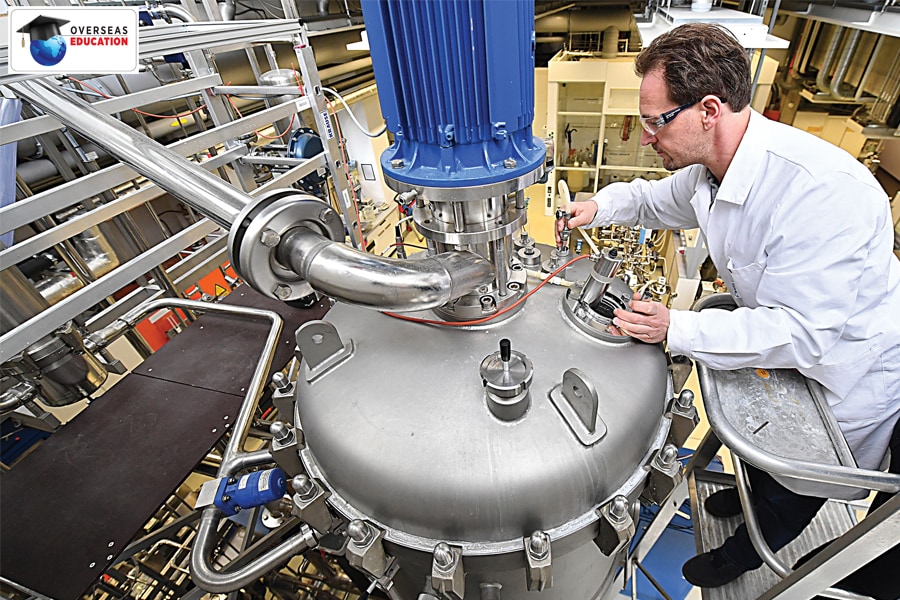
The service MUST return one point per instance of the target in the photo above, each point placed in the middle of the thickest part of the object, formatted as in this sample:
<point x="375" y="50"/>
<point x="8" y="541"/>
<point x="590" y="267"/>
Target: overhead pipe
<point x="375" y="282"/>
<point x="209" y="194"/>
<point x="844" y="64"/>
<point x="822" y="75"/>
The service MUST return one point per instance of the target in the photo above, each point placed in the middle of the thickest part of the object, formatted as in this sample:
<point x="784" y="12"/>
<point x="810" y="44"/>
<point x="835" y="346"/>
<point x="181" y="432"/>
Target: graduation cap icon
<point x="42" y="28"/>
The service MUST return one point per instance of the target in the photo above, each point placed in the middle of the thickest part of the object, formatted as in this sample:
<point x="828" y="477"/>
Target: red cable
<point x="493" y="316"/>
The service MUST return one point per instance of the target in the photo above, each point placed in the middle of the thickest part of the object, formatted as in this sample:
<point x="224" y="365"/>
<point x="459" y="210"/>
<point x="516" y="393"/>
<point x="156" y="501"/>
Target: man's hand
<point x="648" y="323"/>
<point x="580" y="214"/>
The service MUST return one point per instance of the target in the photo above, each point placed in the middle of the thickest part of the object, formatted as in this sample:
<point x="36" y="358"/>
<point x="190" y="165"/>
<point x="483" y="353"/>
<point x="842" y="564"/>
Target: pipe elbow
<point x="210" y="580"/>
<point x="382" y="283"/>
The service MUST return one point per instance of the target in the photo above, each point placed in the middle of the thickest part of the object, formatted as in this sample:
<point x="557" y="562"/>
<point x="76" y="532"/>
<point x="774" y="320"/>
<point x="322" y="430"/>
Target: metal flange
<point x="254" y="237"/>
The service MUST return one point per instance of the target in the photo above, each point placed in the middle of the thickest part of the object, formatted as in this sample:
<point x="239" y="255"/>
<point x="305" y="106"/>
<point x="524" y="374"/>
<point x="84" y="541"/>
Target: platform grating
<point x="710" y="532"/>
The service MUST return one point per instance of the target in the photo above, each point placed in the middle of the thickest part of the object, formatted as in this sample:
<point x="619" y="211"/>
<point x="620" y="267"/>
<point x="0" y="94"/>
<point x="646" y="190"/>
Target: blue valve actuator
<point x="249" y="491"/>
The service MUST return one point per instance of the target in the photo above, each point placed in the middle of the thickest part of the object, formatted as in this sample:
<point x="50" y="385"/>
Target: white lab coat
<point x="801" y="233"/>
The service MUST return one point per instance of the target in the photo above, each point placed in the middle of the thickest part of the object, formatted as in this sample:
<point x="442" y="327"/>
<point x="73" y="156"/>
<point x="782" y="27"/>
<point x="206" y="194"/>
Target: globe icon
<point x="48" y="52"/>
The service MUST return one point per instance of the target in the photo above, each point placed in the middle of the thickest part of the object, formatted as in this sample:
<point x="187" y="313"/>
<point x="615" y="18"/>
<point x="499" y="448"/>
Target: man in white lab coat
<point x="802" y="235"/>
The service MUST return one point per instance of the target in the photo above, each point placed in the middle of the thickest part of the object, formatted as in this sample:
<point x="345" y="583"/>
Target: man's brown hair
<point x="699" y="59"/>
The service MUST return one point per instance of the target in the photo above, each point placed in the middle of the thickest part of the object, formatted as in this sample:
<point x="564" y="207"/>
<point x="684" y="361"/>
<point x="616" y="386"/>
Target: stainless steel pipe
<point x="384" y="283"/>
<point x="209" y="194"/>
<point x="213" y="581"/>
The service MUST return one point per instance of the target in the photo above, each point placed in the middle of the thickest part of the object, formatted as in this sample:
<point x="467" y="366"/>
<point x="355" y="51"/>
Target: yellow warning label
<point x="220" y="290"/>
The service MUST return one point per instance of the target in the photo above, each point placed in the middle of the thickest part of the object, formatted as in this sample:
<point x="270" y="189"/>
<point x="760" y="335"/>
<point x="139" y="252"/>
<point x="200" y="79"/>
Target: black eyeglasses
<point x="652" y="125"/>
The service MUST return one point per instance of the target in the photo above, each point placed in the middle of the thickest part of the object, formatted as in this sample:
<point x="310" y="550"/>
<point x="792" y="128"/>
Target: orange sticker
<point x="762" y="373"/>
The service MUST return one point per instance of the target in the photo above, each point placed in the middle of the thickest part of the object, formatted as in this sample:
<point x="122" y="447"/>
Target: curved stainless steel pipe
<point x="383" y="283"/>
<point x="211" y="580"/>
<point x="209" y="194"/>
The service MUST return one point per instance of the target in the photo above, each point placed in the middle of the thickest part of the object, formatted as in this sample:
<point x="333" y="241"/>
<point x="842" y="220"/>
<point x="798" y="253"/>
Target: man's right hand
<point x="580" y="214"/>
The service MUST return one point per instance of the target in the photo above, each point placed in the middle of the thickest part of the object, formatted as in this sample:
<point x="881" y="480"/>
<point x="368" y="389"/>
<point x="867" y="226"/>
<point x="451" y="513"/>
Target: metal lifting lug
<point x="286" y="446"/>
<point x="365" y="550"/>
<point x="665" y="475"/>
<point x="447" y="574"/>
<point x="684" y="418"/>
<point x="616" y="526"/>
<point x="310" y="504"/>
<point x="538" y="554"/>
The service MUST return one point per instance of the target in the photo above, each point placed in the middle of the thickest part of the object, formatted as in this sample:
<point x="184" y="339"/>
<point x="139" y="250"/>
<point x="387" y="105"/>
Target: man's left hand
<point x="649" y="321"/>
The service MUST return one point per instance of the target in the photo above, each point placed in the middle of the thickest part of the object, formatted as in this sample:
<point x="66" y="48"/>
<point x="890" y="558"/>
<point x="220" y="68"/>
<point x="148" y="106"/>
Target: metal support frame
<point x="327" y="131"/>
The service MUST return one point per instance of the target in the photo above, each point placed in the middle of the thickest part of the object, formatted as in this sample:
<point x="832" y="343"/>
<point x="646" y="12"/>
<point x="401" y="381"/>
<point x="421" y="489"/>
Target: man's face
<point x="680" y="142"/>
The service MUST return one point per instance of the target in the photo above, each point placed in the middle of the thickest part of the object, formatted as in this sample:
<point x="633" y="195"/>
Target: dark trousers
<point x="781" y="513"/>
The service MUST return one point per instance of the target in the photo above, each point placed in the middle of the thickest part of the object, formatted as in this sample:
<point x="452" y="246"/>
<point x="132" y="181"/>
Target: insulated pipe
<point x="203" y="191"/>
<point x="384" y="283"/>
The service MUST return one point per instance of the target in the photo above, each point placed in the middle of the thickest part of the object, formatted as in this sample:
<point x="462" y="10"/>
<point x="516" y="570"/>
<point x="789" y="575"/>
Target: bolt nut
<point x="280" y="431"/>
<point x="685" y="399"/>
<point x="539" y="544"/>
<point x="618" y="510"/>
<point x="510" y="163"/>
<point x="305" y="487"/>
<point x="397" y="163"/>
<point x="269" y="238"/>
<point x="359" y="532"/>
<point x="282" y="383"/>
<point x="443" y="556"/>
<point x="667" y="456"/>
<point x="327" y="215"/>
<point x="282" y="292"/>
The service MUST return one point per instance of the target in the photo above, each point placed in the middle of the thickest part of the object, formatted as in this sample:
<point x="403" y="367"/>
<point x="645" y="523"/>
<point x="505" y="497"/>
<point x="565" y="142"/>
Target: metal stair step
<point x="710" y="532"/>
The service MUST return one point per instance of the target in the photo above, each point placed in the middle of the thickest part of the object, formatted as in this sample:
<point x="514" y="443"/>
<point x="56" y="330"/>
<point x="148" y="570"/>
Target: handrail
<point x="798" y="469"/>
<point x="759" y="542"/>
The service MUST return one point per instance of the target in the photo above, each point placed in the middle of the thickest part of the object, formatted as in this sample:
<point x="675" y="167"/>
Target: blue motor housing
<point x="249" y="491"/>
<point x="456" y="85"/>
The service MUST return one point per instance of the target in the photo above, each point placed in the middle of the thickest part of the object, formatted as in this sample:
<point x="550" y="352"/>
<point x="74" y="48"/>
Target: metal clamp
<point x="310" y="504"/>
<point x="538" y="555"/>
<point x="616" y="526"/>
<point x="684" y="417"/>
<point x="665" y="475"/>
<point x="365" y="550"/>
<point x="447" y="574"/>
<point x="286" y="445"/>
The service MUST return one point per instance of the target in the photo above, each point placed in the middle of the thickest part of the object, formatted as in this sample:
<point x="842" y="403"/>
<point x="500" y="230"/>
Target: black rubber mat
<point x="70" y="507"/>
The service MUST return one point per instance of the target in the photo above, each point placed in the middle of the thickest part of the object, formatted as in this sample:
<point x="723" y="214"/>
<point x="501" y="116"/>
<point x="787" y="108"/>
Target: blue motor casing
<point x="456" y="85"/>
<point x="251" y="490"/>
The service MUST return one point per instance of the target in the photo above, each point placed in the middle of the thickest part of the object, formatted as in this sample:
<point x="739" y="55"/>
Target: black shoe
<point x="710" y="570"/>
<point x="724" y="504"/>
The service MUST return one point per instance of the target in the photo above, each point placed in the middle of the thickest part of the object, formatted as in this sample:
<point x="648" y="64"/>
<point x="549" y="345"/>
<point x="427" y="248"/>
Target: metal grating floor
<point x="710" y="532"/>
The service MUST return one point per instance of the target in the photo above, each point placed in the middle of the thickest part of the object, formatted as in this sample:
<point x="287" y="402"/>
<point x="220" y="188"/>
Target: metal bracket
<point x="616" y="526"/>
<point x="577" y="402"/>
<point x="310" y="504"/>
<point x="684" y="417"/>
<point x="665" y="475"/>
<point x="365" y="550"/>
<point x="322" y="348"/>
<point x="447" y="574"/>
<point x="539" y="557"/>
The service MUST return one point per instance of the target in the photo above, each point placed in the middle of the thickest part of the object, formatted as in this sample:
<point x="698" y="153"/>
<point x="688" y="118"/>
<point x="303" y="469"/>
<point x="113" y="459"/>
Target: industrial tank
<point x="497" y="446"/>
<point x="403" y="433"/>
